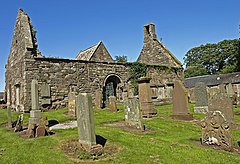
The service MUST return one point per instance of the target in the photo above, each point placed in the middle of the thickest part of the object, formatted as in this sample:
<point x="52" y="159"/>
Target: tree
<point x="222" y="57"/>
<point x="120" y="59"/>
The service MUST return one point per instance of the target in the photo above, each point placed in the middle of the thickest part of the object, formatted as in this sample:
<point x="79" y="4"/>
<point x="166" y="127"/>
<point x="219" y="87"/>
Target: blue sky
<point x="64" y="27"/>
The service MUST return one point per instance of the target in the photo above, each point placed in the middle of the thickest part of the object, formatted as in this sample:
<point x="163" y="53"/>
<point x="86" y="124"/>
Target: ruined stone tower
<point x="24" y="46"/>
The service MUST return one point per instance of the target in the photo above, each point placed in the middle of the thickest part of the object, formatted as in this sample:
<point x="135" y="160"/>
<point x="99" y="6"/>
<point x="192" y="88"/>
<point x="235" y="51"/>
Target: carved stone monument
<point x="216" y="130"/>
<point x="201" y="98"/>
<point x="145" y="97"/>
<point x="133" y="114"/>
<point x="180" y="102"/>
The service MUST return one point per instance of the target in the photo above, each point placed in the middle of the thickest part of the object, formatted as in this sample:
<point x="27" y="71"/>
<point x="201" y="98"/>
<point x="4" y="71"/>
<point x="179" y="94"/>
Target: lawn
<point x="167" y="141"/>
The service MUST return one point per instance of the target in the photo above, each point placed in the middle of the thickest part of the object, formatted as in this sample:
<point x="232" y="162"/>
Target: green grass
<point x="167" y="141"/>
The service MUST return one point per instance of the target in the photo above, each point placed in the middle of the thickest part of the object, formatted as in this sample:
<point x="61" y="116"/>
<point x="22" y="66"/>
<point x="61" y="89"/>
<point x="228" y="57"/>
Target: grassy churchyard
<point x="164" y="141"/>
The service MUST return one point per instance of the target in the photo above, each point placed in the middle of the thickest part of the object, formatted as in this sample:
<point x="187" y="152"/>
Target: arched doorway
<point x="110" y="87"/>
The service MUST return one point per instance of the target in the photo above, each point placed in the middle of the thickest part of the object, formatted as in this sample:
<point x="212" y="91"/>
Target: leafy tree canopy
<point x="219" y="58"/>
<point x="121" y="59"/>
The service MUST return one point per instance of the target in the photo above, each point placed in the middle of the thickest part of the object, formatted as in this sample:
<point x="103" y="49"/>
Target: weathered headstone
<point x="201" y="98"/>
<point x="112" y="104"/>
<point x="98" y="99"/>
<point x="222" y="102"/>
<point x="216" y="130"/>
<point x="180" y="102"/>
<point x="71" y="102"/>
<point x="85" y="121"/>
<point x="42" y="129"/>
<point x="145" y="97"/>
<point x="133" y="114"/>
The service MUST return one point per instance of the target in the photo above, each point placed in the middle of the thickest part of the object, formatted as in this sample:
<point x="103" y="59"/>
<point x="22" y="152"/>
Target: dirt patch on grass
<point x="76" y="152"/>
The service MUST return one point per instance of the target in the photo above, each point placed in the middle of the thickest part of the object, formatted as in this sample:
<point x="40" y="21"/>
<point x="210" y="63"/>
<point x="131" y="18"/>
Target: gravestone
<point x="85" y="121"/>
<point x="145" y="97"/>
<point x="201" y="98"/>
<point x="216" y="130"/>
<point x="45" y="94"/>
<point x="35" y="113"/>
<point x="42" y="129"/>
<point x="19" y="122"/>
<point x="98" y="99"/>
<point x="223" y="103"/>
<point x="230" y="92"/>
<point x="112" y="104"/>
<point x="71" y="102"/>
<point x="180" y="102"/>
<point x="133" y="114"/>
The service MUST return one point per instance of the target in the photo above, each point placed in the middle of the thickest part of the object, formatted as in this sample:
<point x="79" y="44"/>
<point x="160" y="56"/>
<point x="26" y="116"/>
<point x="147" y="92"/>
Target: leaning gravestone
<point x="201" y="98"/>
<point x="180" y="102"/>
<point x="216" y="130"/>
<point x="223" y="103"/>
<point x="133" y="114"/>
<point x="112" y="104"/>
<point x="85" y="121"/>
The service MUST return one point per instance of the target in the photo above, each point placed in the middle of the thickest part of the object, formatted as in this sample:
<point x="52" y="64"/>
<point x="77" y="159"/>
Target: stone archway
<point x="110" y="87"/>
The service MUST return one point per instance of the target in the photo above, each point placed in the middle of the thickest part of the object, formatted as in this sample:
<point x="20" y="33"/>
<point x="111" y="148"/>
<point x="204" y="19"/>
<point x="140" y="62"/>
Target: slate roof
<point x="213" y="80"/>
<point x="88" y="53"/>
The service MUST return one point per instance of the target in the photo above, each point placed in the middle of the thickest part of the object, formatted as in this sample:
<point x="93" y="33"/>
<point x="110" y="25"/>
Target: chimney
<point x="149" y="31"/>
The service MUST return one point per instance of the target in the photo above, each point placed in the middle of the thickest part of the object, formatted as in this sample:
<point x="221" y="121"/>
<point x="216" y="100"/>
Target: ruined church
<point x="92" y="71"/>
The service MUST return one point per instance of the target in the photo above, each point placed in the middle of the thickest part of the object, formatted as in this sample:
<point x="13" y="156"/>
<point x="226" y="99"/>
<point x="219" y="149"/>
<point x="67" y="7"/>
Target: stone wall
<point x="64" y="75"/>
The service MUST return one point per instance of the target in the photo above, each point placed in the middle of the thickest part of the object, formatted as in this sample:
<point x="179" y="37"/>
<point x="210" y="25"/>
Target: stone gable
<point x="154" y="52"/>
<point x="98" y="53"/>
